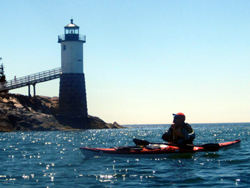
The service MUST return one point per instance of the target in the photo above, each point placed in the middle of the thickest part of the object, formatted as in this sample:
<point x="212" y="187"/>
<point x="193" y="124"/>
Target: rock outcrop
<point x="22" y="113"/>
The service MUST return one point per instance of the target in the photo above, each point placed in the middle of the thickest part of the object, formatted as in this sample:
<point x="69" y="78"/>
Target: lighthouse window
<point x="64" y="47"/>
<point x="72" y="31"/>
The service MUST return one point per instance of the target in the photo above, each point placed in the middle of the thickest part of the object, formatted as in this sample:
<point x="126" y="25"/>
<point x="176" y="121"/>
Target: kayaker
<point x="180" y="133"/>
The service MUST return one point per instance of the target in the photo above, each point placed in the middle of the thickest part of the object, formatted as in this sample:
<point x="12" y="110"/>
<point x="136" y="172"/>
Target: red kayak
<point x="152" y="150"/>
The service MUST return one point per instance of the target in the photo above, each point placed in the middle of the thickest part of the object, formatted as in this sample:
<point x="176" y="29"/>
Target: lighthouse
<point x="72" y="93"/>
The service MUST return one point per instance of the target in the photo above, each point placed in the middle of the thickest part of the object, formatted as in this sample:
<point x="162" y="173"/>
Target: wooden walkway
<point x="31" y="80"/>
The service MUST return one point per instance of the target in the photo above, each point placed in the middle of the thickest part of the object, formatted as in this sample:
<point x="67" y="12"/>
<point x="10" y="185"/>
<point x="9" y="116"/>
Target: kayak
<point x="151" y="150"/>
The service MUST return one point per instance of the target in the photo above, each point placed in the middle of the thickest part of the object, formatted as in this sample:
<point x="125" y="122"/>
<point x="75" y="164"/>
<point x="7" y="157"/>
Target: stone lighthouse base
<point x="72" y="96"/>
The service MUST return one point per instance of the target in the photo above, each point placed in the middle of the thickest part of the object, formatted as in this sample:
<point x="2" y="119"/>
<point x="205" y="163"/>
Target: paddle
<point x="145" y="143"/>
<point x="207" y="147"/>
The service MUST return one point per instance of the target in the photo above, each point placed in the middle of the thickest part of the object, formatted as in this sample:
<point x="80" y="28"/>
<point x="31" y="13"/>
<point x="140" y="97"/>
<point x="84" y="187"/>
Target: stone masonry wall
<point x="72" y="95"/>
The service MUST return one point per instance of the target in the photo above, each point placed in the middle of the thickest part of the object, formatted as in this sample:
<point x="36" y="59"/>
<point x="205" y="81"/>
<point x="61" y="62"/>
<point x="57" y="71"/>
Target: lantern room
<point x="71" y="33"/>
<point x="71" y="28"/>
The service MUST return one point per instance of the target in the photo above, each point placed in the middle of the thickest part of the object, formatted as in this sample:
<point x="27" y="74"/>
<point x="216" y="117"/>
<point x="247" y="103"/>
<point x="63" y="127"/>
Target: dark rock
<point x="22" y="113"/>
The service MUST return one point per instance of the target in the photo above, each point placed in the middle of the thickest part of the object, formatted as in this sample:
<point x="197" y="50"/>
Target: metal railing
<point x="31" y="79"/>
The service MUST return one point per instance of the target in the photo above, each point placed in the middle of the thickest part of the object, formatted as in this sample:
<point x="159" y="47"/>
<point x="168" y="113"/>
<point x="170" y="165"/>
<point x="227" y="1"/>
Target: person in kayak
<point x="180" y="133"/>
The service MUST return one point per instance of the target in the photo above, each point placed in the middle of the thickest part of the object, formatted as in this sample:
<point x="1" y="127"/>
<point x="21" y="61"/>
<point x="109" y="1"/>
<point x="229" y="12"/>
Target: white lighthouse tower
<point x="72" y="94"/>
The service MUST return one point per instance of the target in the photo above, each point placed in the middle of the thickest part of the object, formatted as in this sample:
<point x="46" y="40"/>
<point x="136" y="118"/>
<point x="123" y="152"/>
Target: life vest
<point x="177" y="133"/>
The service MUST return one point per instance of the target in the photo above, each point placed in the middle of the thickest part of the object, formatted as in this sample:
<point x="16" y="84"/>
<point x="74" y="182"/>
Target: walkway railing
<point x="31" y="79"/>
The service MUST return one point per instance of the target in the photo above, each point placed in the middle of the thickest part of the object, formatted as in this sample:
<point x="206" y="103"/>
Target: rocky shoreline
<point x="22" y="113"/>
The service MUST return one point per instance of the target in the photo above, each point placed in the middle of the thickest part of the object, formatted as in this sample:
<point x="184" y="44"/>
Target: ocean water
<point x="52" y="159"/>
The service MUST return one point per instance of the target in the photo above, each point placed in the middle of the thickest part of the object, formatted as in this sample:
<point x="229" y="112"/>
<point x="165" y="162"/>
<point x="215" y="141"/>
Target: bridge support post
<point x="29" y="90"/>
<point x="34" y="88"/>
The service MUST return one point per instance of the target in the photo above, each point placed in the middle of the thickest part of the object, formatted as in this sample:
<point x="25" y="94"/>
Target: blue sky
<point x="143" y="60"/>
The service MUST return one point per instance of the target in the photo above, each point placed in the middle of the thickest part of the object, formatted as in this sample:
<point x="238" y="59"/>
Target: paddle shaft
<point x="171" y="144"/>
<point x="208" y="147"/>
<point x="144" y="142"/>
